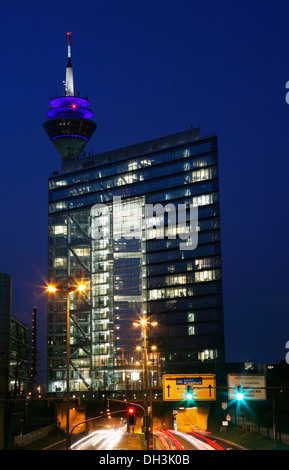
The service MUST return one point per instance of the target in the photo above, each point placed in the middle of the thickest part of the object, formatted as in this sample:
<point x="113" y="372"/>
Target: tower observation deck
<point x="69" y="125"/>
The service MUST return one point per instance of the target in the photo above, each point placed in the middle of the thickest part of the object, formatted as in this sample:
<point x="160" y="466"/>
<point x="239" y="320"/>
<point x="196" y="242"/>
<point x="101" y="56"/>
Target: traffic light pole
<point x="146" y="388"/>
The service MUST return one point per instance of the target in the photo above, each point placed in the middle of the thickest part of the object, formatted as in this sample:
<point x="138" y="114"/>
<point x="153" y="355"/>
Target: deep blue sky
<point x="150" y="69"/>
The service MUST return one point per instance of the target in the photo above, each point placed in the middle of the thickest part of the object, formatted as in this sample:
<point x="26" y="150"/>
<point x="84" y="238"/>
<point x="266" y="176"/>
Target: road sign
<point x="253" y="386"/>
<point x="175" y="386"/>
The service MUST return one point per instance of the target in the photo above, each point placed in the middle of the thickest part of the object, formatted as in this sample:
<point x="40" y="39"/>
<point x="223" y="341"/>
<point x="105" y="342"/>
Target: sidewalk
<point x="129" y="442"/>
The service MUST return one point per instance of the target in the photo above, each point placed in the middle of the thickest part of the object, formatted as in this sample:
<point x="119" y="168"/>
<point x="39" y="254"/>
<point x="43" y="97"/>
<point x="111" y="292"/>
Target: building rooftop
<point x="132" y="150"/>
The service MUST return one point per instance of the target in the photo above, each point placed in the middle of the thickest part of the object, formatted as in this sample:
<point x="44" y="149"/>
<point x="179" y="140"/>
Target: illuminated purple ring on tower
<point x="69" y="135"/>
<point x="69" y="112"/>
<point x="68" y="101"/>
<point x="69" y="106"/>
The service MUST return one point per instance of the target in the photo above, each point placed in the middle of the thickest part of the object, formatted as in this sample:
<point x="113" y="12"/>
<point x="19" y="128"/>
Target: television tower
<point x="69" y="125"/>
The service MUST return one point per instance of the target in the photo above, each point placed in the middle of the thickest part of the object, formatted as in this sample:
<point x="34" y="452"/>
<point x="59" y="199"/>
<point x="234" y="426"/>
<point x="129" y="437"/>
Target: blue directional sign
<point x="189" y="381"/>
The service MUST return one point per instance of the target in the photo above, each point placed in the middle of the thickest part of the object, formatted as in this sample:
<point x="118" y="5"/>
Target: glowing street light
<point x="51" y="289"/>
<point x="81" y="287"/>
<point x="139" y="348"/>
<point x="69" y="290"/>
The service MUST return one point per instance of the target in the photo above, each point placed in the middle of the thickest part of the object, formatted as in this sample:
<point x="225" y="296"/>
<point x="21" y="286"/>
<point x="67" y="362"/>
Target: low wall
<point x="25" y="439"/>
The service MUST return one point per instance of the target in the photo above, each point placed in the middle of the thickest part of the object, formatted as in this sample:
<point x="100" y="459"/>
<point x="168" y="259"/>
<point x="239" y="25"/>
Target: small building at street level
<point x="140" y="227"/>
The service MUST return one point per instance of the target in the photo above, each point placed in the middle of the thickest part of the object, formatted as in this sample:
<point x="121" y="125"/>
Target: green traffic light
<point x="240" y="396"/>
<point x="189" y="394"/>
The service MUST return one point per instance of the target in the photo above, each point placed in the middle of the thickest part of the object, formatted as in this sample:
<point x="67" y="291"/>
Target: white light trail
<point x="101" y="439"/>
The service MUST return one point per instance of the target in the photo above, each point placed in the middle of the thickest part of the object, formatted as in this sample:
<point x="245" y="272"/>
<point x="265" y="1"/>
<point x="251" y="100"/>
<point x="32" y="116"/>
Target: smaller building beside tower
<point x="14" y="366"/>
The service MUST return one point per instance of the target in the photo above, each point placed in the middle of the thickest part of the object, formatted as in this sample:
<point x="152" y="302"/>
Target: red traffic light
<point x="131" y="418"/>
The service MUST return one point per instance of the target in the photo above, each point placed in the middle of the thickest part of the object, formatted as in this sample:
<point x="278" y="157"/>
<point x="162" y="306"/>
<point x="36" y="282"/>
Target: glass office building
<point x="135" y="265"/>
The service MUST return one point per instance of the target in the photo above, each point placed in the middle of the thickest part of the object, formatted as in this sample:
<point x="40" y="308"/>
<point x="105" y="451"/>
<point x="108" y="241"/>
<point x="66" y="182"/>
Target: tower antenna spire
<point x="69" y="87"/>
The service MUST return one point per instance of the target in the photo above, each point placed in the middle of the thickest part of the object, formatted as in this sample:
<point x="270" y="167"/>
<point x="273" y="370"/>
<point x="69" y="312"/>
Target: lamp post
<point x="144" y="325"/>
<point x="68" y="291"/>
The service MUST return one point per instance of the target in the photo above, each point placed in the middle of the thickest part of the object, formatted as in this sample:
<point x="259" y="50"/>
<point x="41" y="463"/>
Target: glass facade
<point x="99" y="232"/>
<point x="19" y="366"/>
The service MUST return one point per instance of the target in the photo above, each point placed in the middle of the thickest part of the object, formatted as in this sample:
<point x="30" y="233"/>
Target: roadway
<point x="120" y="439"/>
<point x="199" y="440"/>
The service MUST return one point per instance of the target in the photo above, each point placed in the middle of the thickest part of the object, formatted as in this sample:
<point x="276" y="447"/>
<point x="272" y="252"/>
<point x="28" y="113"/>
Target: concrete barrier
<point x="25" y="439"/>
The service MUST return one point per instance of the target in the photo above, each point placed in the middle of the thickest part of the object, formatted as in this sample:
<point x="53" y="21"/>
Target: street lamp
<point x="69" y="290"/>
<point x="144" y="323"/>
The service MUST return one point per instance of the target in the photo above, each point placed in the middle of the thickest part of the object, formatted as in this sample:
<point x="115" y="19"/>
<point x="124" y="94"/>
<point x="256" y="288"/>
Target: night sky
<point x="152" y="69"/>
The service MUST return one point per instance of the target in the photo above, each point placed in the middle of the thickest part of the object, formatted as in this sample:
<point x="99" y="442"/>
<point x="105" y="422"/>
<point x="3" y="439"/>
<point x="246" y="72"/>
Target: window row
<point x="138" y="163"/>
<point x="174" y="292"/>
<point x="180" y="279"/>
<point x="158" y="182"/>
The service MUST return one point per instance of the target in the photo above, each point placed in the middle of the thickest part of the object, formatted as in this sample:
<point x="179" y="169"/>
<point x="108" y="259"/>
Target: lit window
<point x="189" y="266"/>
<point x="204" y="276"/>
<point x="59" y="230"/>
<point x="177" y="279"/>
<point x="191" y="317"/>
<point x="60" y="205"/>
<point x="207" y="354"/>
<point x="60" y="183"/>
<point x="81" y="251"/>
<point x="176" y="292"/>
<point x="59" y="262"/>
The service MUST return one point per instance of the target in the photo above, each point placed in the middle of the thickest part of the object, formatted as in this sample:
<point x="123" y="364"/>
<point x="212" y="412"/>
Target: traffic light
<point x="189" y="394"/>
<point x="131" y="416"/>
